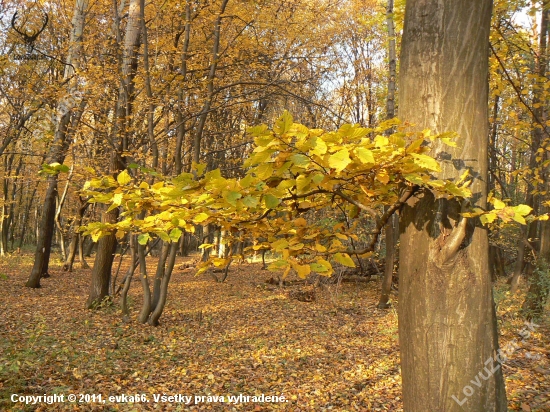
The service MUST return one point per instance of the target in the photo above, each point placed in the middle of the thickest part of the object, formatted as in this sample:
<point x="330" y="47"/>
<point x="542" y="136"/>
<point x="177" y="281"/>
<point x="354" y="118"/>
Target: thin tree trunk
<point x="393" y="224"/>
<point x="539" y="287"/>
<point x="210" y="84"/>
<point x="26" y="216"/>
<point x="128" y="277"/>
<point x="392" y="234"/>
<point x="159" y="306"/>
<point x="146" y="307"/>
<point x="65" y="125"/>
<point x="75" y="237"/>
<point x="447" y="323"/>
<point x="81" y="254"/>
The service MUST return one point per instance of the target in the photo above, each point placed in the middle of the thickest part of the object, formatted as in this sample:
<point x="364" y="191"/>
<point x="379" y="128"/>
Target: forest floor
<point x="243" y="336"/>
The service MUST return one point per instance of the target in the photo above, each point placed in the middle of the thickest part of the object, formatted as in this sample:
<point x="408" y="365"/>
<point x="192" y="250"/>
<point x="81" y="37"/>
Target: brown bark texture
<point x="447" y="322"/>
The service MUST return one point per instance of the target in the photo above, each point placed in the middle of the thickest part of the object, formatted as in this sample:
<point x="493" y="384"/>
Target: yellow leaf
<point x="200" y="217"/>
<point x="364" y="155"/>
<point x="302" y="270"/>
<point x="320" y="248"/>
<point x="523" y="210"/>
<point x="426" y="162"/>
<point x="381" y="141"/>
<point x="319" y="148"/>
<point x="383" y="177"/>
<point x="282" y="125"/>
<point x="263" y="171"/>
<point x="344" y="259"/>
<point x="498" y="204"/>
<point x="519" y="218"/>
<point x="488" y="218"/>
<point x="339" y="160"/>
<point x="123" y="178"/>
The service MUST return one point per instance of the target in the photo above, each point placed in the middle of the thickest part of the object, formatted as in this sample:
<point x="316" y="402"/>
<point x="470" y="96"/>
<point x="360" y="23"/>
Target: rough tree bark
<point x="447" y="322"/>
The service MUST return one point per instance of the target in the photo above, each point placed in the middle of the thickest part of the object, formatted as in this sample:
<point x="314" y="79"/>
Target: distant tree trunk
<point x="539" y="282"/>
<point x="496" y="265"/>
<point x="81" y="252"/>
<point x="210" y="83"/>
<point x="26" y="215"/>
<point x="392" y="234"/>
<point x="4" y="223"/>
<point x="392" y="227"/>
<point x="518" y="266"/>
<point x="47" y="225"/>
<point x="146" y="307"/>
<point x="76" y="237"/>
<point x="447" y="322"/>
<point x="57" y="219"/>
<point x="66" y="122"/>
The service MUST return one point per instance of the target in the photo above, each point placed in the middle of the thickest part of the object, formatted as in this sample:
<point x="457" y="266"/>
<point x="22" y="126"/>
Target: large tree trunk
<point x="101" y="273"/>
<point x="447" y="323"/>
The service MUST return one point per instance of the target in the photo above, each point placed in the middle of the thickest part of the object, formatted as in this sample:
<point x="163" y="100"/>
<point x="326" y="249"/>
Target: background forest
<point x="144" y="142"/>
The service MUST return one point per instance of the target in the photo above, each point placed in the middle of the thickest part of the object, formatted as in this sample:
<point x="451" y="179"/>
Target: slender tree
<point x="392" y="226"/>
<point x="69" y="111"/>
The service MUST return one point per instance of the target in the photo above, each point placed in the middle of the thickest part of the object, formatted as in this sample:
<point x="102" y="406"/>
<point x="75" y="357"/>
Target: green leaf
<point x="250" y="201"/>
<point x="300" y="160"/>
<point x="271" y="202"/>
<point x="278" y="264"/>
<point x="123" y="178"/>
<point x="322" y="267"/>
<point x="175" y="234"/>
<point x="163" y="235"/>
<point x="143" y="238"/>
<point x="232" y="197"/>
<point x="339" y="160"/>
